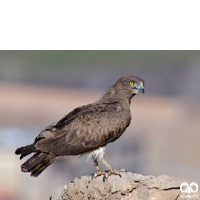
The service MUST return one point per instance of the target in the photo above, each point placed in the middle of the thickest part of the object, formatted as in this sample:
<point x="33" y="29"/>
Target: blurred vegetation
<point x="162" y="70"/>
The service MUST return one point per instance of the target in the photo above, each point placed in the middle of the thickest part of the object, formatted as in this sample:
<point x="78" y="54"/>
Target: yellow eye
<point x="131" y="83"/>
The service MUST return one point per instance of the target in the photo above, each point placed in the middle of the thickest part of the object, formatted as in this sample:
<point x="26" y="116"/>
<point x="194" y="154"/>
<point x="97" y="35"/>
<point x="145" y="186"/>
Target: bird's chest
<point x="121" y="121"/>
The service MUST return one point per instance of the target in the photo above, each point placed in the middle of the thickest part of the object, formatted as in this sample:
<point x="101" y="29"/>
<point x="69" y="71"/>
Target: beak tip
<point x="141" y="90"/>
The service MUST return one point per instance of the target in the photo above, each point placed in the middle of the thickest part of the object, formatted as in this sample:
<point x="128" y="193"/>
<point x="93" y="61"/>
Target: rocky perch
<point x="123" y="186"/>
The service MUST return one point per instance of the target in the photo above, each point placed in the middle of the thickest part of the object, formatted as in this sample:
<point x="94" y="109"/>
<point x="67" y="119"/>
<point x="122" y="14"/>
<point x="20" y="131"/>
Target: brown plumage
<point x="86" y="129"/>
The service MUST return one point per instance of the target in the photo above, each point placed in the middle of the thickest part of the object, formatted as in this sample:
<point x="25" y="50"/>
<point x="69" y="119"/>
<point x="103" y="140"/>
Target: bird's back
<point x="94" y="126"/>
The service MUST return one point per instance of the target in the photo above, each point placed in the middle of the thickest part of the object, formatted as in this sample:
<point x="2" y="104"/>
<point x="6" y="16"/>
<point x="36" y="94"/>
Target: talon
<point x="98" y="173"/>
<point x="109" y="173"/>
<point x="115" y="172"/>
<point x="104" y="178"/>
<point x="106" y="175"/>
<point x="121" y="170"/>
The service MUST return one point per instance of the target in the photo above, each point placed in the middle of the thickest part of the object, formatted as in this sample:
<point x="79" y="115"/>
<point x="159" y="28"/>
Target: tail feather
<point x="38" y="163"/>
<point x="24" y="151"/>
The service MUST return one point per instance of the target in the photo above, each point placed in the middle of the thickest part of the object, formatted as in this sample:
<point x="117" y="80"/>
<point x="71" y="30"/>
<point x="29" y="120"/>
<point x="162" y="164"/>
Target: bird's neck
<point x="114" y="95"/>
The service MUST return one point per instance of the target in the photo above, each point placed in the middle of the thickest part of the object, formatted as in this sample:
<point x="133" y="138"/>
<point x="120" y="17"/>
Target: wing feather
<point x="84" y="129"/>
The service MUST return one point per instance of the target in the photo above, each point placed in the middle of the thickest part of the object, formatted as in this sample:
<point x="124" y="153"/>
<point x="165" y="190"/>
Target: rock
<point x="127" y="186"/>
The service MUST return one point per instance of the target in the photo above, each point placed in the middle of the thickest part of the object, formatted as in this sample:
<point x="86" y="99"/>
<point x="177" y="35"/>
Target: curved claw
<point x="109" y="173"/>
<point x="98" y="173"/>
<point x="106" y="174"/>
<point x="121" y="170"/>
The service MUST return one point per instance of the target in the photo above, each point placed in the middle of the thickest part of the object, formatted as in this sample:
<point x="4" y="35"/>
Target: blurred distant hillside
<point x="165" y="72"/>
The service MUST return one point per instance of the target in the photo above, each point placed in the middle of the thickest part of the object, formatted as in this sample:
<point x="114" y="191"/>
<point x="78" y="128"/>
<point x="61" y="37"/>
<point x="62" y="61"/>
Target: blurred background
<point x="40" y="87"/>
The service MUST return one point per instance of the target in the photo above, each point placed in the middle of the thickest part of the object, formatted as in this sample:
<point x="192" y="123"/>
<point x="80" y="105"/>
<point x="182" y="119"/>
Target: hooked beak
<point x="142" y="90"/>
<point x="138" y="88"/>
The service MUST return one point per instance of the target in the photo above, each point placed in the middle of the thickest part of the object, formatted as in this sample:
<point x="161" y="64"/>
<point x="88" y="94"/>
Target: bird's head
<point x="124" y="89"/>
<point x="133" y="84"/>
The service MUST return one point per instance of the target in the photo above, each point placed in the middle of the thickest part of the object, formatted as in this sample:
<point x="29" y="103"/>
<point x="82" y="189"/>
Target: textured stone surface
<point x="128" y="186"/>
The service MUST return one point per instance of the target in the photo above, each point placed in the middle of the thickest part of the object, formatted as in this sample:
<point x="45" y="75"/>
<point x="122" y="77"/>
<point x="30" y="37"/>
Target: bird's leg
<point x="98" y="169"/>
<point x="101" y="158"/>
<point x="99" y="155"/>
<point x="107" y="165"/>
<point x="110" y="169"/>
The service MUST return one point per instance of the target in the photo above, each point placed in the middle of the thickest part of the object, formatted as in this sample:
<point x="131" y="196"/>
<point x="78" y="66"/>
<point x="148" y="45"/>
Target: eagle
<point x="85" y="130"/>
